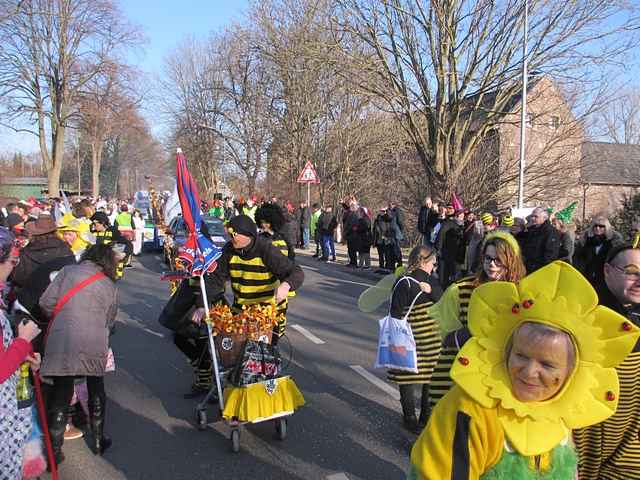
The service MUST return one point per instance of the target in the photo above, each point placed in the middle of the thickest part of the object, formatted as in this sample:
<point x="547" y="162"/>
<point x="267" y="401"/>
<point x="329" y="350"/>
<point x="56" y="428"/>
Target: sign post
<point x="308" y="175"/>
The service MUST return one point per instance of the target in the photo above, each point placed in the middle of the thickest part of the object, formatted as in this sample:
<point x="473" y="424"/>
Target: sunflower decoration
<point x="559" y="296"/>
<point x="252" y="321"/>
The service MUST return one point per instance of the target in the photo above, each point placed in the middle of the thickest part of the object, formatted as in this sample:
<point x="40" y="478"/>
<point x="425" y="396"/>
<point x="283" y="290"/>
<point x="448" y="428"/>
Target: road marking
<point x="313" y="269"/>
<point x="382" y="385"/>
<point x="338" y="476"/>
<point x="308" y="334"/>
<point x="157" y="257"/>
<point x="157" y="334"/>
<point x="355" y="283"/>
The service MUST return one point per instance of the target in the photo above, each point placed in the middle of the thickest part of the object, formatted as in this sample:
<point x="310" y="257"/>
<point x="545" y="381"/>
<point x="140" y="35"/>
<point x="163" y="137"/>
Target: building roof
<point x="23" y="180"/>
<point x="610" y="163"/>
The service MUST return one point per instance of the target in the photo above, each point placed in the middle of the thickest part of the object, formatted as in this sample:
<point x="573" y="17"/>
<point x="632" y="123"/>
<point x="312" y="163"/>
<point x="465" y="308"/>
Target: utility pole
<point x="523" y="112"/>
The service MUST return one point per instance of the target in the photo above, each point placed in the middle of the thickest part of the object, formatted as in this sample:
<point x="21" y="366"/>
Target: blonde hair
<point x="600" y="220"/>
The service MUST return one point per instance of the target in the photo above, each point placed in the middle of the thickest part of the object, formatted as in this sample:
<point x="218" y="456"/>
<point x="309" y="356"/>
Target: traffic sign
<point x="308" y="174"/>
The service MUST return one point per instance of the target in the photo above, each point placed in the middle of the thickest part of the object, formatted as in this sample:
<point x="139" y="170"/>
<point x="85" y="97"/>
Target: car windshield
<point x="215" y="226"/>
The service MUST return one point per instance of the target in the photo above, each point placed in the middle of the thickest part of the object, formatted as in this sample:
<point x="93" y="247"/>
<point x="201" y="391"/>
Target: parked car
<point x="176" y="235"/>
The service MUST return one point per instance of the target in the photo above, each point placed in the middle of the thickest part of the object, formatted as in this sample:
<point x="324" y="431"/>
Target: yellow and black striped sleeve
<point x="462" y="441"/>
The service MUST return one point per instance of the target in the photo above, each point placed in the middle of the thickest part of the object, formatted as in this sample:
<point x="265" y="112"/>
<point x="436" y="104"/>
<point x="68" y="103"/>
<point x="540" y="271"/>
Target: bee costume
<point x="480" y="430"/>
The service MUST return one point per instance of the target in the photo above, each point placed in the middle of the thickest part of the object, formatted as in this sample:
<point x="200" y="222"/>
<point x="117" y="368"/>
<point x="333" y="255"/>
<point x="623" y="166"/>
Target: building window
<point x="554" y="122"/>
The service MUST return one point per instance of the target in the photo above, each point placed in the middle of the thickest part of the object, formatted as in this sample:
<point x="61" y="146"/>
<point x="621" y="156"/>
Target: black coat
<point x="427" y="219"/>
<point x="450" y="241"/>
<point x="406" y="291"/>
<point x="540" y="246"/>
<point x="590" y="263"/>
<point x="41" y="250"/>
<point x="327" y="223"/>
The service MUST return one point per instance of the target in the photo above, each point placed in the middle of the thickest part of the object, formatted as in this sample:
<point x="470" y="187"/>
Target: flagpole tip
<point x="178" y="150"/>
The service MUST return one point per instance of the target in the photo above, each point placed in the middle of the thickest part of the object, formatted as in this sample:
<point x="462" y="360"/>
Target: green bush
<point x="627" y="218"/>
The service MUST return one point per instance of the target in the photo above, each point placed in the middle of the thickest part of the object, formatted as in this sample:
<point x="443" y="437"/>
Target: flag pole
<point x="212" y="345"/>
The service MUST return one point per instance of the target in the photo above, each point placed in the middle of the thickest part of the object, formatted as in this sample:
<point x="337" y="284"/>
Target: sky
<point x="164" y="23"/>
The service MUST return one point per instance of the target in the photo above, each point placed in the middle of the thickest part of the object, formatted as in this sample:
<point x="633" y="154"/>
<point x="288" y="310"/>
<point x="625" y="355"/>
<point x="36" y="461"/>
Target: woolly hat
<point x="487" y="218"/>
<point x="243" y="225"/>
<point x="507" y="221"/>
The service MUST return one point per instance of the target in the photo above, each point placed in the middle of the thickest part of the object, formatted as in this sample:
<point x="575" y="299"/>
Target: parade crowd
<point x="526" y="331"/>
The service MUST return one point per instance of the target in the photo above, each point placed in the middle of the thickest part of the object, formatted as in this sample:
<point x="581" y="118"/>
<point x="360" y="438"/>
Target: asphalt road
<point x="350" y="427"/>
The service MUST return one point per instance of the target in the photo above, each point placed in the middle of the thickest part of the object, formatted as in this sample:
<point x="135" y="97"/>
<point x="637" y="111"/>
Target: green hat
<point x="566" y="213"/>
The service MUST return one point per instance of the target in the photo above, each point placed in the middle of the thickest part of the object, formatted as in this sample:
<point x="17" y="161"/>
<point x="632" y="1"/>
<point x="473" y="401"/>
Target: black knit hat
<point x="102" y="218"/>
<point x="243" y="225"/>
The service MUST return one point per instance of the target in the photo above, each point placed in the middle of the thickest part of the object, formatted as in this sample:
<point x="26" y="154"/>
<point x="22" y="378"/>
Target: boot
<point x="425" y="407"/>
<point x="57" y="422"/>
<point x="408" y="403"/>
<point x="100" y="442"/>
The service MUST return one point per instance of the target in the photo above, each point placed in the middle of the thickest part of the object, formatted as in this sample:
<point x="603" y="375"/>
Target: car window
<point x="215" y="226"/>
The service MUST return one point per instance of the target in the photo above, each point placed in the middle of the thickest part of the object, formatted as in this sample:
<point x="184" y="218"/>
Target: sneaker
<point x="72" y="433"/>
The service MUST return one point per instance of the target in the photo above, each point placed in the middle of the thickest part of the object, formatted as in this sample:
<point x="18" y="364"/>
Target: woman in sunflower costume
<point x="500" y="259"/>
<point x="540" y="364"/>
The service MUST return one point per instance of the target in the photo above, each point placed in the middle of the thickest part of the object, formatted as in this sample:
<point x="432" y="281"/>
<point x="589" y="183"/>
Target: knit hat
<point x="507" y="221"/>
<point x="487" y="218"/>
<point x="243" y="225"/>
<point x="102" y="218"/>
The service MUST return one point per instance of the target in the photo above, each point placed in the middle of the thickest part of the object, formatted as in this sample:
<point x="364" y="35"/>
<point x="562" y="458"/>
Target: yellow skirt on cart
<point x="261" y="401"/>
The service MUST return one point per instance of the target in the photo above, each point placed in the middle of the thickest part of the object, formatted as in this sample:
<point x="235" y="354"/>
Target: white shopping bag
<point x="396" y="345"/>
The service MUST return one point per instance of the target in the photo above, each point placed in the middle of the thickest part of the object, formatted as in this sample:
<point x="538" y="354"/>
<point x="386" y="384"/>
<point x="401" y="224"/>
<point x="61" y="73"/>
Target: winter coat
<point x="385" y="230"/>
<point x="567" y="247"/>
<point x="41" y="250"/>
<point x="313" y="226"/>
<point x="305" y="217"/>
<point x="540" y="246"/>
<point x="450" y="242"/>
<point x="364" y="238"/>
<point x="327" y="223"/>
<point x="398" y="217"/>
<point x="427" y="219"/>
<point x="590" y="256"/>
<point x="289" y="230"/>
<point x="78" y="339"/>
<point x="351" y="225"/>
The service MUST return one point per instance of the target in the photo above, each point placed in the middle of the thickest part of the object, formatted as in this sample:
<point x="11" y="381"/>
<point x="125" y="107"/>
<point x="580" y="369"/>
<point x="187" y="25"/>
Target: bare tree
<point x="50" y="50"/>
<point x="449" y="71"/>
<point x="620" y="120"/>
<point x="104" y="104"/>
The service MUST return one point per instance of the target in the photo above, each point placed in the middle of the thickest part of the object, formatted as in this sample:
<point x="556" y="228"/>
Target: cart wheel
<point x="235" y="440"/>
<point x="281" y="428"/>
<point x="201" y="419"/>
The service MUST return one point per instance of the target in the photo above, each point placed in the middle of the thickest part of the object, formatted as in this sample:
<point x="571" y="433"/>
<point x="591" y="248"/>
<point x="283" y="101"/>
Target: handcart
<point x="274" y="399"/>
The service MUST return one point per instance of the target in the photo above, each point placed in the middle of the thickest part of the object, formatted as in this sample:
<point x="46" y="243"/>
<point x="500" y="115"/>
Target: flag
<point x="199" y="254"/>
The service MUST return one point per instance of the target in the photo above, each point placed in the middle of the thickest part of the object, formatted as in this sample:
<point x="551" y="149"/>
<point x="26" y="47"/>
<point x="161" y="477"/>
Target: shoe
<point x="72" y="433"/>
<point x="128" y="266"/>
<point x="333" y="259"/>
<point x="366" y="268"/>
<point x="315" y="255"/>
<point x="323" y="259"/>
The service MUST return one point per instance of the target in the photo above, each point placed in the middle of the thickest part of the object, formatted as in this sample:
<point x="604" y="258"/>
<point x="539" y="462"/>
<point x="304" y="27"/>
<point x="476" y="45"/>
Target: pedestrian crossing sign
<point x="308" y="174"/>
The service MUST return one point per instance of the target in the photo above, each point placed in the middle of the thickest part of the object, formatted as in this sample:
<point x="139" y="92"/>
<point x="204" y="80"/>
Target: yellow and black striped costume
<point x="281" y="244"/>
<point x="460" y="294"/>
<point x="255" y="273"/>
<point x="611" y="450"/>
<point x="425" y="332"/>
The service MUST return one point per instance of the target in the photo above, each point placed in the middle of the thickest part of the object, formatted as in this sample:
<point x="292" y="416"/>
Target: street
<point x="350" y="427"/>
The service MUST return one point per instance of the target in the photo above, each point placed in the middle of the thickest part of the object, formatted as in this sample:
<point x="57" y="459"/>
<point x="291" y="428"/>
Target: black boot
<point x="97" y="406"/>
<point x="57" y="422"/>
<point x="425" y="407"/>
<point x="408" y="402"/>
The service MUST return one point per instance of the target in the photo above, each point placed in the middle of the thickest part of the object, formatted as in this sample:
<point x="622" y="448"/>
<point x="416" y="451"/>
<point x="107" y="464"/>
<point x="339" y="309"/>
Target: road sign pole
<point x="308" y="194"/>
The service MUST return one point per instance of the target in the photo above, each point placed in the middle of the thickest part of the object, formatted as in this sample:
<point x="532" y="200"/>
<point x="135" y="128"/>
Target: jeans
<point x="305" y="237"/>
<point x="328" y="246"/>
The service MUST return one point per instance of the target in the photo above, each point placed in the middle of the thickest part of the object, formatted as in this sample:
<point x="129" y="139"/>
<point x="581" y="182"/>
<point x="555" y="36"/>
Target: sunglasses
<point x="599" y="226"/>
<point x="488" y="260"/>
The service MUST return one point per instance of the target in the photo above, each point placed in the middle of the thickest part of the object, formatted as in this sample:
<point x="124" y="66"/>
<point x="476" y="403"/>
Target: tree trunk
<point x="96" y="161"/>
<point x="57" y="154"/>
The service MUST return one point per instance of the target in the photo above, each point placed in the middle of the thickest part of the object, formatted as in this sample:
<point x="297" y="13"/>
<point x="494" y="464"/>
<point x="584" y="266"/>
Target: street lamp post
<point x="523" y="112"/>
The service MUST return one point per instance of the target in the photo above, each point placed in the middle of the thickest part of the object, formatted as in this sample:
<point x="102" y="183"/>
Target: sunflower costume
<point x="480" y="429"/>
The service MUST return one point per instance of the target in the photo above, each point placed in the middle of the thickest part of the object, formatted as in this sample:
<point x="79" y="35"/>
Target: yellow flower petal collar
<point x="559" y="296"/>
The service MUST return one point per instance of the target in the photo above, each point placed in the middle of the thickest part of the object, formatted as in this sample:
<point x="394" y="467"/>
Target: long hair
<point x="609" y="232"/>
<point x="509" y="256"/>
<point x="103" y="256"/>
<point x="417" y="255"/>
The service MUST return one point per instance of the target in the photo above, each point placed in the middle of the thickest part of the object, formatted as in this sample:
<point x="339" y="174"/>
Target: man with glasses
<point x="611" y="449"/>
<point x="540" y="243"/>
